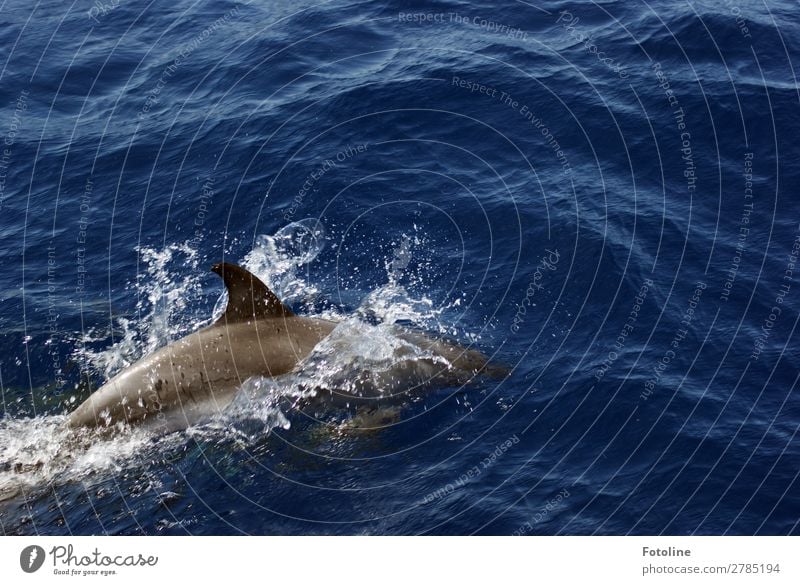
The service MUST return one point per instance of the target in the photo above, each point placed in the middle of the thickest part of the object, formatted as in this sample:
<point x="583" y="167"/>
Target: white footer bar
<point x="389" y="560"/>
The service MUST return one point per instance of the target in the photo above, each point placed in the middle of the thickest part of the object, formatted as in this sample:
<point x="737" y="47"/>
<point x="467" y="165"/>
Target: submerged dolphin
<point x="256" y="336"/>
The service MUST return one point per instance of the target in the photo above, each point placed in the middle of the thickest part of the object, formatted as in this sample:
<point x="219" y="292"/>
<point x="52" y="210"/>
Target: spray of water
<point x="165" y="291"/>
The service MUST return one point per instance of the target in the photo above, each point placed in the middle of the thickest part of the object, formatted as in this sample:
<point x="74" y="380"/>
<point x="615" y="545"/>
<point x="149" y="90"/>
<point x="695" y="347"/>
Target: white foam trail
<point x="42" y="450"/>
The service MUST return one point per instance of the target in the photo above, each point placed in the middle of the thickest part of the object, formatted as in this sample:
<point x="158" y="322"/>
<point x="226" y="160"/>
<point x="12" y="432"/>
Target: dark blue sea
<point x="602" y="197"/>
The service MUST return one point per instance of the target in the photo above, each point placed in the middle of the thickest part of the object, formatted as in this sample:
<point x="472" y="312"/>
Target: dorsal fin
<point x="248" y="297"/>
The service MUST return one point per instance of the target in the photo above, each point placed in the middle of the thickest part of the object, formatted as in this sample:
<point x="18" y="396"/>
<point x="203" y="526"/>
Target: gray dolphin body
<point x="257" y="336"/>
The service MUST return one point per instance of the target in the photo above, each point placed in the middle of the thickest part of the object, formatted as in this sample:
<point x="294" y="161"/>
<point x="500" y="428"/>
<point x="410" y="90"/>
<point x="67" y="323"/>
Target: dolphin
<point x="179" y="384"/>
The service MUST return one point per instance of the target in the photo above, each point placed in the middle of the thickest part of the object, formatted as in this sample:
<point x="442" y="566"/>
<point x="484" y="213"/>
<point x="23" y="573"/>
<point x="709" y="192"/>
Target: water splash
<point x="165" y="290"/>
<point x="358" y="359"/>
<point x="165" y="293"/>
<point x="395" y="302"/>
<point x="255" y="410"/>
<point x="277" y="259"/>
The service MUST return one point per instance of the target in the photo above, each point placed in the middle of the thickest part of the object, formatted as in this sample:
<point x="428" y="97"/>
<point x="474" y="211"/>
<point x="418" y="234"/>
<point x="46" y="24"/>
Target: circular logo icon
<point x="31" y="558"/>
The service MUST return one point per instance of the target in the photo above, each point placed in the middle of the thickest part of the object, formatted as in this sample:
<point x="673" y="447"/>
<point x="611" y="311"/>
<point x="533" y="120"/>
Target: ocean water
<point x="602" y="196"/>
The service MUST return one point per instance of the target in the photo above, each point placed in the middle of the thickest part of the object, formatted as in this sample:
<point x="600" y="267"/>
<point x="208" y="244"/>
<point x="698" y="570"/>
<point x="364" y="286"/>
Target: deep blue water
<point x="603" y="196"/>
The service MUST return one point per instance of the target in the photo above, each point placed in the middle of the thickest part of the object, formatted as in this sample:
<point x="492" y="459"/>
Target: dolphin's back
<point x="256" y="336"/>
<point x="201" y="371"/>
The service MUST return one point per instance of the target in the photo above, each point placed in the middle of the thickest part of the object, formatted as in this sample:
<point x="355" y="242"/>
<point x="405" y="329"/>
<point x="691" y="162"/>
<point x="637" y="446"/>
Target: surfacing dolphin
<point x="258" y="335"/>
